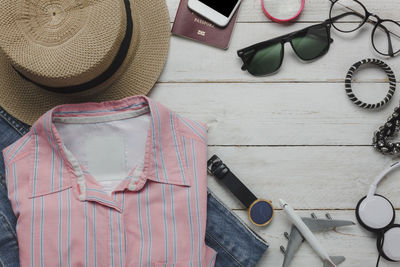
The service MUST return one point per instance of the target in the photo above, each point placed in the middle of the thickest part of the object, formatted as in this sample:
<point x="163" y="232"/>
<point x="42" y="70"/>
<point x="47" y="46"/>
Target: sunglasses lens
<point x="311" y="43"/>
<point x="386" y="38"/>
<point x="350" y="15"/>
<point x="265" y="60"/>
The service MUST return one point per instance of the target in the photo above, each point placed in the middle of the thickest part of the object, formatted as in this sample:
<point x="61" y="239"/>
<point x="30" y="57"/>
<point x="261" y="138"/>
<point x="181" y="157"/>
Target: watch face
<point x="225" y="7"/>
<point x="261" y="212"/>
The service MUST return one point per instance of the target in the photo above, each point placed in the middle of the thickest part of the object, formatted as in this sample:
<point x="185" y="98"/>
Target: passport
<point x="193" y="26"/>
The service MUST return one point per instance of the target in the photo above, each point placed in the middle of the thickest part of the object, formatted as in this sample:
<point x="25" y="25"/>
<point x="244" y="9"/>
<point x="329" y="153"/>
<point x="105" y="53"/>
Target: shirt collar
<point x="163" y="162"/>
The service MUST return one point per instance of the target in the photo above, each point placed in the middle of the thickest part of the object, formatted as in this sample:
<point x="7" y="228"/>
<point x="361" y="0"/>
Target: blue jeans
<point x="10" y="131"/>
<point x="235" y="243"/>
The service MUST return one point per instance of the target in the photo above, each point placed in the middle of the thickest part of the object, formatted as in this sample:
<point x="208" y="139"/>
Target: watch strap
<point x="217" y="168"/>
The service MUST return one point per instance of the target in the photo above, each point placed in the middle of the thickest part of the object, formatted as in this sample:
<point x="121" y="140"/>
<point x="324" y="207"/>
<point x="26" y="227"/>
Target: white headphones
<point x="376" y="214"/>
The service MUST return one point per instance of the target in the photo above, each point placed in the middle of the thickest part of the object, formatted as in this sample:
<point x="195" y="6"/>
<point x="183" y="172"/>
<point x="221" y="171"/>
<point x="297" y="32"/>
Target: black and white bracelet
<point x="390" y="74"/>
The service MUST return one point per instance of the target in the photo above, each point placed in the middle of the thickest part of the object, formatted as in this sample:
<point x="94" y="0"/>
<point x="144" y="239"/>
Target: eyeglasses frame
<point x="365" y="17"/>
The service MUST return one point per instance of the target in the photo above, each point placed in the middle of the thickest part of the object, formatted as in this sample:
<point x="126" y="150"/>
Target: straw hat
<point x="66" y="51"/>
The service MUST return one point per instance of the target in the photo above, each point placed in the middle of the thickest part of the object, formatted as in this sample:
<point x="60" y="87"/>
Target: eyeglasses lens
<point x="265" y="60"/>
<point x="386" y="38"/>
<point x="311" y="43"/>
<point x="351" y="15"/>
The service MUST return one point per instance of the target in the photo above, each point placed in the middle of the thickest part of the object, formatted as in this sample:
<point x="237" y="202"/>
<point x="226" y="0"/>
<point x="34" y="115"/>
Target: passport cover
<point x="191" y="25"/>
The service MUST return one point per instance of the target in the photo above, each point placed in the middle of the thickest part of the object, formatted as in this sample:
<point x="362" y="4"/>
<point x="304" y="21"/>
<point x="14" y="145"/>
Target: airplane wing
<point x="317" y="225"/>
<point x="295" y="240"/>
<point x="336" y="260"/>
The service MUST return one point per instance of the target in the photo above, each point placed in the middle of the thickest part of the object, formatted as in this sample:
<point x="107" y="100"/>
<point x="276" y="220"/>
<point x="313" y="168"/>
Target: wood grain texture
<point x="307" y="177"/>
<point x="189" y="61"/>
<point x="293" y="135"/>
<point x="315" y="10"/>
<point x="356" y="244"/>
<point x="279" y="114"/>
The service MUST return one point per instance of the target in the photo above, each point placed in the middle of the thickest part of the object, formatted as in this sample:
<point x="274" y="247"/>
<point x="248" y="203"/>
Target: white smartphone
<point x="218" y="11"/>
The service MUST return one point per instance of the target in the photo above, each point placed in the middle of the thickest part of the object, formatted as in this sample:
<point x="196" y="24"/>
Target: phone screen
<point x="224" y="7"/>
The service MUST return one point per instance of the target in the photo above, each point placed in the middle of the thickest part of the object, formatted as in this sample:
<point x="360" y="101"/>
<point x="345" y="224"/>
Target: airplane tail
<point x="335" y="260"/>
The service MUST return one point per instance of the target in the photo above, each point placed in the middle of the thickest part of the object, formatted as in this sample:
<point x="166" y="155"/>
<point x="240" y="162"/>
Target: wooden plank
<point x="315" y="10"/>
<point x="354" y="243"/>
<point x="307" y="177"/>
<point x="293" y="135"/>
<point x="190" y="61"/>
<point x="279" y="114"/>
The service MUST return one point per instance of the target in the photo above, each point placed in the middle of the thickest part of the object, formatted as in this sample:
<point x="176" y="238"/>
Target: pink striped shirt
<point x="154" y="217"/>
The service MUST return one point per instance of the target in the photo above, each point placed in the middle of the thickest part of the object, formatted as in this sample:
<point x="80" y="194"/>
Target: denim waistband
<point x="19" y="126"/>
<point x="11" y="130"/>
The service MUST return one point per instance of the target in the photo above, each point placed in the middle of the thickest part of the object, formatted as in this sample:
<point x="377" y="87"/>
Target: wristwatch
<point x="260" y="211"/>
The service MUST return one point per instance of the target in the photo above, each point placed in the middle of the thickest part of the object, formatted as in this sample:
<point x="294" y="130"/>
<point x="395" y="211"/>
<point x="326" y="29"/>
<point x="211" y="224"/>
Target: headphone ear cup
<point x="388" y="243"/>
<point x="375" y="213"/>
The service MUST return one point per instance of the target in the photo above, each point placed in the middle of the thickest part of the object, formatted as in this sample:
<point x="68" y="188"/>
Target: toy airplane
<point x="303" y="228"/>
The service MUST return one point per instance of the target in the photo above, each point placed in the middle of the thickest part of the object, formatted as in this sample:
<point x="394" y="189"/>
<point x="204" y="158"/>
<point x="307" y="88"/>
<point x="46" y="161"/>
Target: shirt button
<point x="133" y="185"/>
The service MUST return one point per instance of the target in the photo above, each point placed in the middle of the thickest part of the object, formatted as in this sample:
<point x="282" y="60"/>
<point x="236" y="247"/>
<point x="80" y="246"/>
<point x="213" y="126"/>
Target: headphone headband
<point x="379" y="178"/>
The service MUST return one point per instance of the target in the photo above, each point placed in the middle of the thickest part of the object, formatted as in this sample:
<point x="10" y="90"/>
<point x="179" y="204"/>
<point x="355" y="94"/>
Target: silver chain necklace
<point x="383" y="136"/>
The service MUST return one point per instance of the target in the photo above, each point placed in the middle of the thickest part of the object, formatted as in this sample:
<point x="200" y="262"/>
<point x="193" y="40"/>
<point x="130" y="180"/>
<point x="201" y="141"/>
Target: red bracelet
<point x="303" y="2"/>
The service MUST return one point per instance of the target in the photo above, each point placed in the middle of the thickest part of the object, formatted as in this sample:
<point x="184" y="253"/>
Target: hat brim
<point x="27" y="102"/>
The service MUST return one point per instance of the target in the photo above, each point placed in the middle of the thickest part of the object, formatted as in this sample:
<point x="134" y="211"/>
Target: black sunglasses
<point x="314" y="41"/>
<point x="266" y="57"/>
<point x="385" y="35"/>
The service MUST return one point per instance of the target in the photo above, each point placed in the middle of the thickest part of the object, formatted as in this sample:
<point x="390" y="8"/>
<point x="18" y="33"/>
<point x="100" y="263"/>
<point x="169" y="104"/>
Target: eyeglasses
<point x="350" y="15"/>
<point x="266" y="57"/>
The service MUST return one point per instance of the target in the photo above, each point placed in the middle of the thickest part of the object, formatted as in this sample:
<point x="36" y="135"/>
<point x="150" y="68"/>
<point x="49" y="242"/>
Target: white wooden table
<point x="293" y="135"/>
